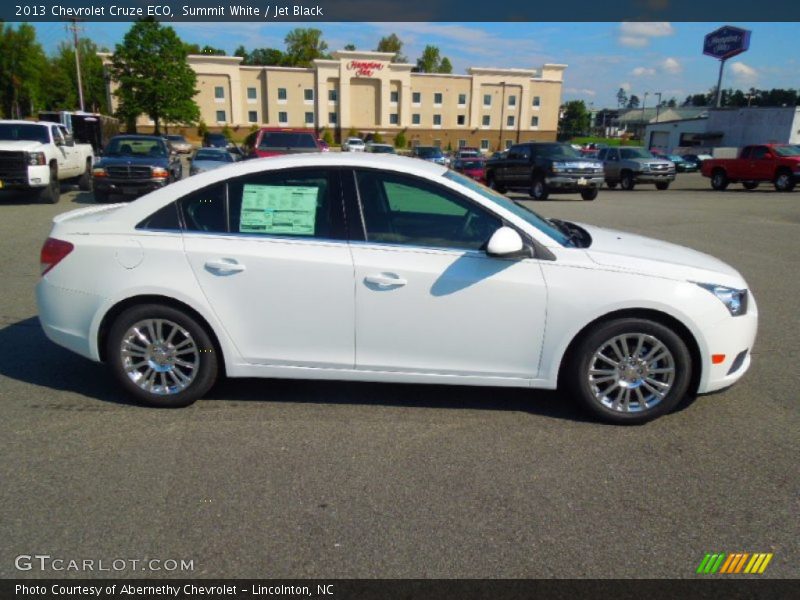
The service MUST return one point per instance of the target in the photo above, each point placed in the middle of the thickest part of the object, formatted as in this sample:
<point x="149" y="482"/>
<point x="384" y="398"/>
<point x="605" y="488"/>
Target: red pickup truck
<point x="778" y="163"/>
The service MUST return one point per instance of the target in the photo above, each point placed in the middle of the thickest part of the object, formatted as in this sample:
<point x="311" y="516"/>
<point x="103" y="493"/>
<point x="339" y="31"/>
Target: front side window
<point x="404" y="210"/>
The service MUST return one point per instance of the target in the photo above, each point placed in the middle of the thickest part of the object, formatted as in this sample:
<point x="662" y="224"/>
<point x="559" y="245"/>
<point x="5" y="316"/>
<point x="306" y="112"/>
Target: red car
<point x="471" y="167"/>
<point x="277" y="141"/>
<point x="778" y="163"/>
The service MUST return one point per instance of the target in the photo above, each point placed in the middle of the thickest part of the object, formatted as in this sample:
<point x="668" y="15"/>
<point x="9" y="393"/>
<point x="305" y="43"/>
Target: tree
<point x="350" y="47"/>
<point x="673" y="102"/>
<point x="633" y="101"/>
<point x="60" y="91"/>
<point x="212" y="51"/>
<point x="303" y="46"/>
<point x="431" y="61"/>
<point x="400" y="140"/>
<point x="574" y="121"/>
<point x="22" y="64"/>
<point x="445" y="66"/>
<point x="154" y="77"/>
<point x="622" y="98"/>
<point x="392" y="43"/>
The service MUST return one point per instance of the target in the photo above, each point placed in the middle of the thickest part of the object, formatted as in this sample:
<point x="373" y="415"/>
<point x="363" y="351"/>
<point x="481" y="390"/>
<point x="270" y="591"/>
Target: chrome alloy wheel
<point x="631" y="373"/>
<point x="159" y="356"/>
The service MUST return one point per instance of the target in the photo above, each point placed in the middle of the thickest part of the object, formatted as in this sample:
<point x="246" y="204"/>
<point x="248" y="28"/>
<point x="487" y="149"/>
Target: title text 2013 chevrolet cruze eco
<point x="380" y="268"/>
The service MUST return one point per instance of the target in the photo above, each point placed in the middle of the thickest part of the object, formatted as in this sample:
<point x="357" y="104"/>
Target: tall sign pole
<point x="722" y="44"/>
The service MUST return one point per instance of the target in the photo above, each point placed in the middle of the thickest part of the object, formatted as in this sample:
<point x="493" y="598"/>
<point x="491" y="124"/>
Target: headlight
<point x="559" y="167"/>
<point x="36" y="158"/>
<point x="99" y="172"/>
<point x="160" y="173"/>
<point x="734" y="300"/>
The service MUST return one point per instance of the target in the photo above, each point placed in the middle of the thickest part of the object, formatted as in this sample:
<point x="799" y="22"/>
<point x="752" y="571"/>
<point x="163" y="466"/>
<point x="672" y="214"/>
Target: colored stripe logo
<point x="735" y="563"/>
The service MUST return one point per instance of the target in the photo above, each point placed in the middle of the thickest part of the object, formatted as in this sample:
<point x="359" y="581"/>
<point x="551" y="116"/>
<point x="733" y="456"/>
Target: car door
<point x="73" y="165"/>
<point x="761" y="163"/>
<point x="611" y="164"/>
<point x="269" y="253"/>
<point x="429" y="300"/>
<point x="521" y="169"/>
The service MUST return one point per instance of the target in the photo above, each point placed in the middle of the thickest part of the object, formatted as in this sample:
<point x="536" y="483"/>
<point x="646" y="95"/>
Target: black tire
<point x="100" y="197"/>
<point x="627" y="182"/>
<point x="577" y="378"/>
<point x="205" y="357"/>
<point x="492" y="184"/>
<point x="611" y="184"/>
<point x="719" y="180"/>
<point x="85" y="180"/>
<point x="51" y="193"/>
<point x="539" y="189"/>
<point x="662" y="185"/>
<point x="784" y="182"/>
<point x="589" y="194"/>
<point x="750" y="185"/>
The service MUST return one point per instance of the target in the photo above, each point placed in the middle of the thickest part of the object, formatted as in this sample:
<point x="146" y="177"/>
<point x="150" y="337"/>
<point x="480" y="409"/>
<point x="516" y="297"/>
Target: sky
<point x="640" y="57"/>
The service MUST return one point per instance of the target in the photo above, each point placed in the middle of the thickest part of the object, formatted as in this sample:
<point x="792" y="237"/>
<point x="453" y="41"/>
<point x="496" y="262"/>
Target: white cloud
<point x="671" y="66"/>
<point x="637" y="34"/>
<point x="643" y="72"/>
<point x="625" y="86"/>
<point x="581" y="91"/>
<point x="743" y="73"/>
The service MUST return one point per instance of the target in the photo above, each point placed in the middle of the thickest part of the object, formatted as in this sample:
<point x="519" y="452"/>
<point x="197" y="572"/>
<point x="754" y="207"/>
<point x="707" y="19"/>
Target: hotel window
<point x="332" y="118"/>
<point x="462" y="143"/>
<point x="220" y="116"/>
<point x="394" y="97"/>
<point x="534" y="121"/>
<point x="462" y="99"/>
<point x="509" y="143"/>
<point x="333" y="96"/>
<point x="252" y="93"/>
<point x="437" y="120"/>
<point x="308" y="95"/>
<point x="219" y="93"/>
<point x="484" y="144"/>
<point x="461" y="119"/>
<point x="437" y="99"/>
<point x="281" y="94"/>
<point x="283" y="117"/>
<point x="309" y="118"/>
<point x="416" y="98"/>
<point x="537" y="101"/>
<point x="512" y="101"/>
<point x="510" y="121"/>
<point x="437" y="143"/>
<point x="487" y="99"/>
<point x="252" y="116"/>
<point x="393" y="119"/>
<point x="487" y="120"/>
<point x="415" y="119"/>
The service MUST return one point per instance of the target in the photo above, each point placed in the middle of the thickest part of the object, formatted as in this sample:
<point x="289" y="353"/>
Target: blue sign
<point x="726" y="42"/>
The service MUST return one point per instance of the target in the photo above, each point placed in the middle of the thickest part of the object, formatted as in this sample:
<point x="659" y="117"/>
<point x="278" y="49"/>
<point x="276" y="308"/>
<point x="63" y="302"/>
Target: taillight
<point x="53" y="252"/>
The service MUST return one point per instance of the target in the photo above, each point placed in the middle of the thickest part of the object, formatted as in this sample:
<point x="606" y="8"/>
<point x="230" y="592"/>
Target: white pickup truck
<point x="39" y="156"/>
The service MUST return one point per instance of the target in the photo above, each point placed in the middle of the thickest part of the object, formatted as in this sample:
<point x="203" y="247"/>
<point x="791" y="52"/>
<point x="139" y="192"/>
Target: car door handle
<point x="224" y="266"/>
<point x="385" y="280"/>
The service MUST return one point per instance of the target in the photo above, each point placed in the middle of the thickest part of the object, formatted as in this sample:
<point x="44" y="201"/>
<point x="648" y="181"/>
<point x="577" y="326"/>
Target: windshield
<point x="635" y="153"/>
<point x="139" y="147"/>
<point x="382" y="149"/>
<point x="425" y="152"/>
<point x="23" y="132"/>
<point x="217" y="156"/>
<point x="787" y="150"/>
<point x="287" y="139"/>
<point x="558" y="151"/>
<point x="528" y="216"/>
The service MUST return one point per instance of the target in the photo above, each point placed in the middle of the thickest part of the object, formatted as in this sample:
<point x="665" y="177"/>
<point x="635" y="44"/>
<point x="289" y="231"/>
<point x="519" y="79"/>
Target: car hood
<point x="149" y="161"/>
<point x="20" y="145"/>
<point x="207" y="165"/>
<point x="649" y="256"/>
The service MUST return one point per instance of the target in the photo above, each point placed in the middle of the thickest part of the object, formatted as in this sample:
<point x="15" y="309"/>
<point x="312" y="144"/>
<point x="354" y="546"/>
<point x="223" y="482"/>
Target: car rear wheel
<point x="627" y="182"/>
<point x="784" y="182"/>
<point x="539" y="188"/>
<point x="85" y="180"/>
<point x="719" y="180"/>
<point x="662" y="185"/>
<point x="161" y="356"/>
<point x="589" y="194"/>
<point x="629" y="371"/>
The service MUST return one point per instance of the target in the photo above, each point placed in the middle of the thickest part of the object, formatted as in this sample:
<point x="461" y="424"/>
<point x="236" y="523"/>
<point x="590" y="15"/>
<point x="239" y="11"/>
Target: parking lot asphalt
<point x="297" y="479"/>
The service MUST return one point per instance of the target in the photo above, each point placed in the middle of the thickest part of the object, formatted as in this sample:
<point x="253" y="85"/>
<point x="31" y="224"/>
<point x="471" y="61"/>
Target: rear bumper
<point x="66" y="317"/>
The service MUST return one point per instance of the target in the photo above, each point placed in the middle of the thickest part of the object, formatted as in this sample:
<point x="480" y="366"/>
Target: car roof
<point x="23" y="122"/>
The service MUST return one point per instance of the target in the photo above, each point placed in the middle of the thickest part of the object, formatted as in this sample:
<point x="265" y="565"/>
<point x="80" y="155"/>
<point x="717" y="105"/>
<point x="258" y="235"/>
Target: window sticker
<point x="279" y="210"/>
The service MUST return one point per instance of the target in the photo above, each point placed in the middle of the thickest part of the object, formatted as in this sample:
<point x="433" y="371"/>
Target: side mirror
<point x="505" y="243"/>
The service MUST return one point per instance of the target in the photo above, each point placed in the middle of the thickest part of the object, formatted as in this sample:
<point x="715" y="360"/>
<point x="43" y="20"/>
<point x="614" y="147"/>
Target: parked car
<point x="697" y="159"/>
<point x="38" y="157"/>
<point x="133" y="165"/>
<point x="544" y="168"/>
<point x="467" y="152"/>
<point x="216" y="140"/>
<point x="778" y="163"/>
<point x="206" y="159"/>
<point x="630" y="165"/>
<point x="180" y="144"/>
<point x="269" y="141"/>
<point x="681" y="165"/>
<point x="471" y="167"/>
<point x="380" y="148"/>
<point x="353" y="144"/>
<point x="430" y="153"/>
<point x="484" y="291"/>
<point x="592" y="148"/>
<point x="323" y="145"/>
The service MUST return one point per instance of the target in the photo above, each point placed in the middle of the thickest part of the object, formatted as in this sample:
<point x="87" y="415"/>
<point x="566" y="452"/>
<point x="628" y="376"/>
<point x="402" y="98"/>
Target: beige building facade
<point x="364" y="92"/>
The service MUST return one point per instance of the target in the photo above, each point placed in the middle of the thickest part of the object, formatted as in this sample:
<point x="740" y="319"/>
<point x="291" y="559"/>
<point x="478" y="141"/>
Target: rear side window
<point x="204" y="210"/>
<point x="286" y="139"/>
<point x="166" y="218"/>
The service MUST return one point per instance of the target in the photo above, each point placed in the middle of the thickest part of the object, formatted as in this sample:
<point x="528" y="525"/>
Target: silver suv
<point x="633" y="164"/>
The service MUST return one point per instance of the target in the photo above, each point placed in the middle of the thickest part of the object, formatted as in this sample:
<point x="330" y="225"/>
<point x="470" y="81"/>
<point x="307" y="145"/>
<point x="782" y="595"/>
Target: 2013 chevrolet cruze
<point x="381" y="268"/>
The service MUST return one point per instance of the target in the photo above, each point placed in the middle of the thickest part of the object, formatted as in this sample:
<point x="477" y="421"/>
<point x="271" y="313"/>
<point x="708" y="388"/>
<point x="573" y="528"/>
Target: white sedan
<point x="381" y="268"/>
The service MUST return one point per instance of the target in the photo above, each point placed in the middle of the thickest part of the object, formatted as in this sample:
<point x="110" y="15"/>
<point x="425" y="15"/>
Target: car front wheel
<point x="630" y="371"/>
<point x="161" y="356"/>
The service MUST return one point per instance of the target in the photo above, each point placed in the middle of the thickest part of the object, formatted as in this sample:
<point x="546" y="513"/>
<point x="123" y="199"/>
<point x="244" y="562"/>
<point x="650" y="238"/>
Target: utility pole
<point x="658" y="106"/>
<point x="74" y="29"/>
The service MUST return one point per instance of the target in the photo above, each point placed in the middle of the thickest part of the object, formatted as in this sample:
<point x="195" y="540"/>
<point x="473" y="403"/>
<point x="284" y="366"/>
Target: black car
<point x="216" y="140"/>
<point x="133" y="165"/>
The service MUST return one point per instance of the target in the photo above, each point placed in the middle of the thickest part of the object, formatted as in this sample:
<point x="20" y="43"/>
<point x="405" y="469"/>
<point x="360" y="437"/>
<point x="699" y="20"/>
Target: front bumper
<point x="127" y="187"/>
<point x="646" y="177"/>
<point x="574" y="183"/>
<point x="34" y="177"/>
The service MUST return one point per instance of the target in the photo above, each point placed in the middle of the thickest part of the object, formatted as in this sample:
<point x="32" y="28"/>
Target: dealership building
<point x="490" y="108"/>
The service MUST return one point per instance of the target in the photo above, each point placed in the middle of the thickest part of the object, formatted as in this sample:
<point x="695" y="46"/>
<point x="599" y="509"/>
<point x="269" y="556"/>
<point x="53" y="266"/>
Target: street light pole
<point x="644" y="101"/>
